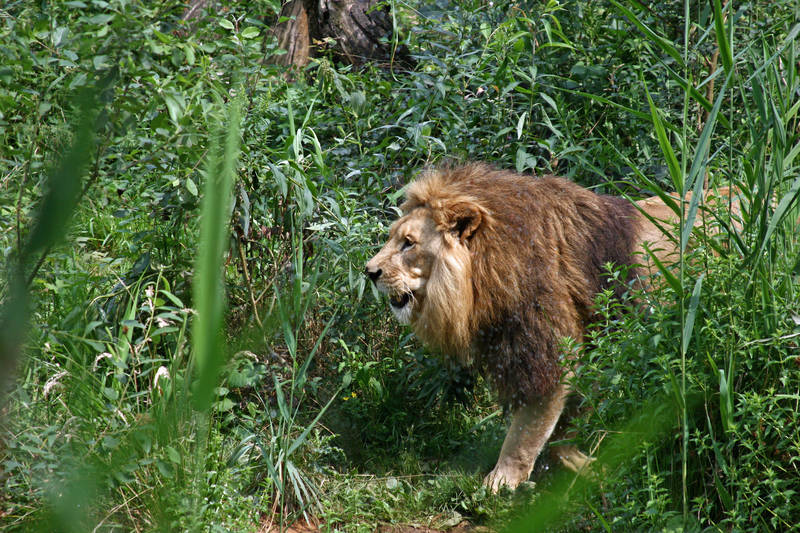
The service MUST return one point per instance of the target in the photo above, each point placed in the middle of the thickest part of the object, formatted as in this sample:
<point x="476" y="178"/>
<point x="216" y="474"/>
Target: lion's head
<point x="426" y="266"/>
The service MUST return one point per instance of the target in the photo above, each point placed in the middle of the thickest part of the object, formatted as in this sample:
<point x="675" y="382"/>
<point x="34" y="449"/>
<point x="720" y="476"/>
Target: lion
<point x="494" y="268"/>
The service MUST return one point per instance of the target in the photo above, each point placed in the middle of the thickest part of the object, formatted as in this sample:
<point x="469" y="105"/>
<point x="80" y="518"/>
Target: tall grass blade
<point x="670" y="278"/>
<point x="784" y="206"/>
<point x="674" y="167"/>
<point x="691" y="313"/>
<point x="281" y="400"/>
<point x="725" y="402"/>
<point x="695" y="180"/>
<point x="302" y="437"/>
<point x="723" y="37"/>
<point x="207" y="342"/>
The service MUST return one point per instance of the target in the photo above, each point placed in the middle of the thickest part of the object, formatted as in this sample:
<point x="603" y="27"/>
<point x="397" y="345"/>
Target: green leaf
<point x="164" y="38"/>
<point x="111" y="394"/>
<point x="780" y="212"/>
<point x="100" y="62"/>
<point x="521" y="124"/>
<point x="226" y="404"/>
<point x="250" y="32"/>
<point x="225" y="23"/>
<point x="283" y="409"/>
<point x="188" y="50"/>
<point x="59" y="36"/>
<point x="725" y="402"/>
<point x="665" y="271"/>
<point x="175" y="105"/>
<point x="697" y="171"/>
<point x="165" y="469"/>
<point x="173" y="455"/>
<point x="302" y="437"/>
<point x="103" y="18"/>
<point x="191" y="187"/>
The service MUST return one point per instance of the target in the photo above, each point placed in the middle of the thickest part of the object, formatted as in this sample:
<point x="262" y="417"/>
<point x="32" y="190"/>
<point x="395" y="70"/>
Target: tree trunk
<point x="293" y="35"/>
<point x="356" y="30"/>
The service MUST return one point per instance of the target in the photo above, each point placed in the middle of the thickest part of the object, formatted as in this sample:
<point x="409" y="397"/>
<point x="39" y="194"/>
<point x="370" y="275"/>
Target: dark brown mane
<point x="537" y="259"/>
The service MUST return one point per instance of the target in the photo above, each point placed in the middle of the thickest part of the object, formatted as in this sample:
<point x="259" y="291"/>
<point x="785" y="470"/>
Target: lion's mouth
<point x="398" y="302"/>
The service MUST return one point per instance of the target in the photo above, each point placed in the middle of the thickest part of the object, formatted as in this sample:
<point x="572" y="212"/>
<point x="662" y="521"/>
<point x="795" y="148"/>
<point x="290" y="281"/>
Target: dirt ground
<point x="304" y="527"/>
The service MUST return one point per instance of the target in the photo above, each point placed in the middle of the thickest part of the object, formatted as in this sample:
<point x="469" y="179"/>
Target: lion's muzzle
<point x="373" y="274"/>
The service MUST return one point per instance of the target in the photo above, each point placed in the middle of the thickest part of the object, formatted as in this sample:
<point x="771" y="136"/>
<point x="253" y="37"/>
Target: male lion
<point x="494" y="268"/>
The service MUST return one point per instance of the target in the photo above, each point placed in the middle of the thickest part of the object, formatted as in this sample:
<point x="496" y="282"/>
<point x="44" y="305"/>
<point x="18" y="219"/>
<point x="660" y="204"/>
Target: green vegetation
<point x="186" y="339"/>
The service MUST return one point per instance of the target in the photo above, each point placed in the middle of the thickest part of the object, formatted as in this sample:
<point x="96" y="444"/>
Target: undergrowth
<point x="182" y="352"/>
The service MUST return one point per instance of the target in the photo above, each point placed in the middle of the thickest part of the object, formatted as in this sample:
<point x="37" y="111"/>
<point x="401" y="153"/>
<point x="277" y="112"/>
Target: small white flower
<point x="104" y="355"/>
<point x="161" y="374"/>
<point x="52" y="382"/>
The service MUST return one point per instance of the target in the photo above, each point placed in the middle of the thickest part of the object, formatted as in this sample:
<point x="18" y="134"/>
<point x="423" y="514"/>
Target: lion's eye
<point x="407" y="243"/>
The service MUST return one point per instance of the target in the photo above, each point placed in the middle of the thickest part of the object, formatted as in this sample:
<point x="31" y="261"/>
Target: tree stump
<point x="356" y="30"/>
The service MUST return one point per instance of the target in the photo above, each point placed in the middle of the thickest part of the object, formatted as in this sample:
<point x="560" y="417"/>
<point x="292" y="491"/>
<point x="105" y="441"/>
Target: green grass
<point x="186" y="339"/>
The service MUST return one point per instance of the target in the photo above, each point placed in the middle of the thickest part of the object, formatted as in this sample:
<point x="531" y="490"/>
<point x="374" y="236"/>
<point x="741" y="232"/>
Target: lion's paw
<point x="572" y="458"/>
<point x="505" y="475"/>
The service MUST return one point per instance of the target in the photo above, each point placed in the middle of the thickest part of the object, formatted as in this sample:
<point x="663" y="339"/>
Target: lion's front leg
<point x="531" y="426"/>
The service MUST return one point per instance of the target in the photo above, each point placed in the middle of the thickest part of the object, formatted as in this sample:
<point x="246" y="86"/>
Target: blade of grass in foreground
<point x="62" y="191"/>
<point x="207" y="345"/>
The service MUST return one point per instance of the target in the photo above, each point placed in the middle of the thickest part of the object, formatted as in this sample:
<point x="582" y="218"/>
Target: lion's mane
<point x="527" y="276"/>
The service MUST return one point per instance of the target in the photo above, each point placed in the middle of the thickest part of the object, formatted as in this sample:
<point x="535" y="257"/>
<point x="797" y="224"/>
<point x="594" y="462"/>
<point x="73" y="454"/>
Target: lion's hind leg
<point x="531" y="427"/>
<point x="571" y="457"/>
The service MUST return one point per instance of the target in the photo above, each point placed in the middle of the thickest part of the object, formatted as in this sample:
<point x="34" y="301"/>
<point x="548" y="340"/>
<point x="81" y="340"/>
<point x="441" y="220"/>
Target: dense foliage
<point x="121" y="123"/>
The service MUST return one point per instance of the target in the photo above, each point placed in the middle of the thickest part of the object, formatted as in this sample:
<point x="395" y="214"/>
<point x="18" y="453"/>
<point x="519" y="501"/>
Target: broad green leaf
<point x="191" y="187"/>
<point x="250" y="32"/>
<point x="175" y="105"/>
<point x="521" y="124"/>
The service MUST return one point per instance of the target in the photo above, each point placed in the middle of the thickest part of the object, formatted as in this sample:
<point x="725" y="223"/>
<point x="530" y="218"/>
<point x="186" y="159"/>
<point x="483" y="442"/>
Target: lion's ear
<point x="464" y="219"/>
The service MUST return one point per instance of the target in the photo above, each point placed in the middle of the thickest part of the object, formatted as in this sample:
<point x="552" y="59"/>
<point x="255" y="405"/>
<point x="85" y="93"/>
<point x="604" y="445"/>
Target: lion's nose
<point x="373" y="274"/>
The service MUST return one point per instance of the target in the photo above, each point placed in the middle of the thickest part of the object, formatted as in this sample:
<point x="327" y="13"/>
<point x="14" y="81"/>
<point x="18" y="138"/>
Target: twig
<point x="249" y="284"/>
<point x="771" y="339"/>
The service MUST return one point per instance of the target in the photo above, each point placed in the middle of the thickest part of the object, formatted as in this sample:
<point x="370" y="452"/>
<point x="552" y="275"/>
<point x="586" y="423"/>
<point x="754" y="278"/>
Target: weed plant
<point x="187" y="342"/>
